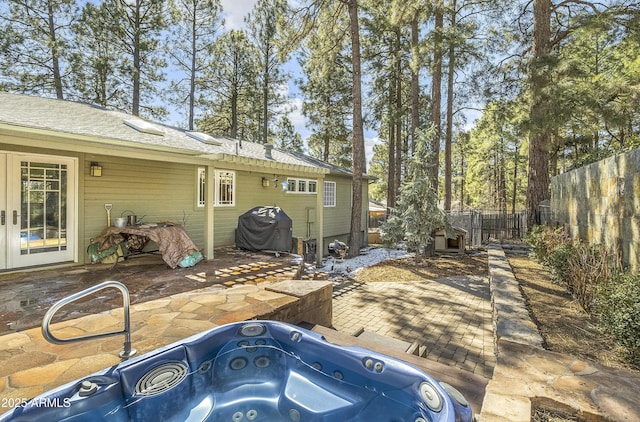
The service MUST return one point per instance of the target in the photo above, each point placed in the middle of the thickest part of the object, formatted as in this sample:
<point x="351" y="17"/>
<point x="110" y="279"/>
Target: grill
<point x="338" y="250"/>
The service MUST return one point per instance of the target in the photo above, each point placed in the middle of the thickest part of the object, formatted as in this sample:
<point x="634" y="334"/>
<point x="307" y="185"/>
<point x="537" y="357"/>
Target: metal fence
<point x="482" y="226"/>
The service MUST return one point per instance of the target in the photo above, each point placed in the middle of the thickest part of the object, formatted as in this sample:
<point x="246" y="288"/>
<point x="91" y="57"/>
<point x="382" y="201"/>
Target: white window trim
<point x="331" y="192"/>
<point x="217" y="174"/>
<point x="295" y="182"/>
<point x="201" y="186"/>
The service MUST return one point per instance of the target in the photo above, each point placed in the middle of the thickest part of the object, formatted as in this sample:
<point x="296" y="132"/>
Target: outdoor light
<point x="265" y="182"/>
<point x="96" y="169"/>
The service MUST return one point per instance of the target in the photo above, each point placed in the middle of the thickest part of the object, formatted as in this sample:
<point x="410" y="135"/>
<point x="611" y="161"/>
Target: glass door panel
<point x="42" y="204"/>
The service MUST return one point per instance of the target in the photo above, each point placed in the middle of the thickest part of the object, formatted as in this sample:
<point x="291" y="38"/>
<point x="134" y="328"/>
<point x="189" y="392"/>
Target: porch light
<point x="96" y="169"/>
<point x="265" y="182"/>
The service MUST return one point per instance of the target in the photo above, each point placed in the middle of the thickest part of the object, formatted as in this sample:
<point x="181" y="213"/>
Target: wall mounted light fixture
<point x="96" y="169"/>
<point x="265" y="182"/>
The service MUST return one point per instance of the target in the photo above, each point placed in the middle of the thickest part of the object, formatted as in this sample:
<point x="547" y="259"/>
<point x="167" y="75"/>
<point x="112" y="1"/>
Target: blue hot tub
<point x="252" y="371"/>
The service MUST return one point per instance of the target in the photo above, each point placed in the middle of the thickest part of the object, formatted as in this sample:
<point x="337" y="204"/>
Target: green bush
<point x="557" y="260"/>
<point x="617" y="304"/>
<point x="543" y="240"/>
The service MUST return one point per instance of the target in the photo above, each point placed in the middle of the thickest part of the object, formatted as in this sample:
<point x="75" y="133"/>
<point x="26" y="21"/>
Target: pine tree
<point x="326" y="88"/>
<point x="286" y="137"/>
<point x="190" y="48"/>
<point x="97" y="70"/>
<point x="33" y="43"/>
<point x="262" y="30"/>
<point x="417" y="215"/>
<point x="138" y="26"/>
<point x="231" y="82"/>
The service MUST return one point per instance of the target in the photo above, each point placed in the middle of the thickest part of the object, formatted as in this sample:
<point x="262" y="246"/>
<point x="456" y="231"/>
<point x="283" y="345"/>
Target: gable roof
<point x="97" y="125"/>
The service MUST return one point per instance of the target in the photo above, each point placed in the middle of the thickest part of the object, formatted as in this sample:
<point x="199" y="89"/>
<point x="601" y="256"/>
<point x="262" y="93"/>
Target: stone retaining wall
<point x="527" y="377"/>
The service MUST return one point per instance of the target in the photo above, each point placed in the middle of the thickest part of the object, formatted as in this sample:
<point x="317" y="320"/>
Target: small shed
<point x="264" y="228"/>
<point x="456" y="245"/>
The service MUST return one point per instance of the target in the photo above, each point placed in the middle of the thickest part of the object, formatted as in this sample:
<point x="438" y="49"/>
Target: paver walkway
<point x="450" y="316"/>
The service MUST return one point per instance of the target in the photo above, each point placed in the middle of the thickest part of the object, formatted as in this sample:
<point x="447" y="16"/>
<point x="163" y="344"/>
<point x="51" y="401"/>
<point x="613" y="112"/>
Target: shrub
<point x="544" y="239"/>
<point x="617" y="304"/>
<point x="557" y="261"/>
<point x="575" y="264"/>
<point x="588" y="266"/>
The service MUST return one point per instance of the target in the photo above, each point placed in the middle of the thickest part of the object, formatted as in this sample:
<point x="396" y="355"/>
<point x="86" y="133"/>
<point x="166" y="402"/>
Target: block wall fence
<point x="600" y="203"/>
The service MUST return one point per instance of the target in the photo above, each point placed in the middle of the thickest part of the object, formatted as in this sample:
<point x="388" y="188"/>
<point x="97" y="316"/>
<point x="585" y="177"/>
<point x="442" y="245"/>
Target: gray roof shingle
<point x="85" y="120"/>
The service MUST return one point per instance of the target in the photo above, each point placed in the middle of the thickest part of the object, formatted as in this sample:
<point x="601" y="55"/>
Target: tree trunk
<point x="265" y="102"/>
<point x="398" y="114"/>
<point x="192" y="80"/>
<point x="415" y="81"/>
<point x="449" y="129"/>
<point x="55" y="54"/>
<point x="135" y="102"/>
<point x="391" y="153"/>
<point x="539" y="138"/>
<point x="515" y="182"/>
<point x="436" y="94"/>
<point x="355" y="237"/>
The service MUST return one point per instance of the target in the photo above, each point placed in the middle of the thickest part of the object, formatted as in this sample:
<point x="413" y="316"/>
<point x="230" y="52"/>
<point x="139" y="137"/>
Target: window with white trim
<point x="295" y="185"/>
<point x="312" y="186"/>
<point x="201" y="185"/>
<point x="225" y="188"/>
<point x="329" y="194"/>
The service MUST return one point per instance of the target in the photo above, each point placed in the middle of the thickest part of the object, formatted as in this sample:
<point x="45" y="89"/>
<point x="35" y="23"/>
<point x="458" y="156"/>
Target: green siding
<point x="249" y="194"/>
<point x="166" y="191"/>
<point x="154" y="191"/>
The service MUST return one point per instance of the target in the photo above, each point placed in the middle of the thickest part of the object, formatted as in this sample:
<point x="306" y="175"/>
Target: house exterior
<point x="63" y="163"/>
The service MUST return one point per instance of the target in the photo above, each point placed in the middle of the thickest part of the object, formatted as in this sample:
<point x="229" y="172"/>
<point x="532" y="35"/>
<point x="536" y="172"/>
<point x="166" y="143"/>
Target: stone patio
<point x="525" y="377"/>
<point x="29" y="365"/>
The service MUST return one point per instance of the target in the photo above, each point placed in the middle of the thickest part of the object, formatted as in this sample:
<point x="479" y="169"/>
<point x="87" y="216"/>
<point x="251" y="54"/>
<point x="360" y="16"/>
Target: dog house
<point x="455" y="245"/>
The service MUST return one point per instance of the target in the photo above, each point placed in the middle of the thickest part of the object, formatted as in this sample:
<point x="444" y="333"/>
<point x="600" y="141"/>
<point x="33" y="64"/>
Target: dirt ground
<point x="406" y="269"/>
<point x="564" y="326"/>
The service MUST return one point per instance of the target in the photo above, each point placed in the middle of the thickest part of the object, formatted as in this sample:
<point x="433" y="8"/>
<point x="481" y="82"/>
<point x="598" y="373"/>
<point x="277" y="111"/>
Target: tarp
<point x="264" y="228"/>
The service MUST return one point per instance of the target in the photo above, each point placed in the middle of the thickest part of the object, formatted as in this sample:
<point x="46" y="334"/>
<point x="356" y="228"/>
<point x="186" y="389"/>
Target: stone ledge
<point x="511" y="318"/>
<point x="527" y="376"/>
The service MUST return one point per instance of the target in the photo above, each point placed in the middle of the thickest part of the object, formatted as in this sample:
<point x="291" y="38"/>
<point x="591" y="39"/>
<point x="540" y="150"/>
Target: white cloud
<point x="235" y="12"/>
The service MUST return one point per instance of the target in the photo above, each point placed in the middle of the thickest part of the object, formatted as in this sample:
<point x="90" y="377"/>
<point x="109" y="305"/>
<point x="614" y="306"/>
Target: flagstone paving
<point x="29" y="365"/>
<point x="25" y="296"/>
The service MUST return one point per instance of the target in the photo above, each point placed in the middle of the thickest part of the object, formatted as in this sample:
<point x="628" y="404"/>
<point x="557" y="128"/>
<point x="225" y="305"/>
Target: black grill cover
<point x="264" y="228"/>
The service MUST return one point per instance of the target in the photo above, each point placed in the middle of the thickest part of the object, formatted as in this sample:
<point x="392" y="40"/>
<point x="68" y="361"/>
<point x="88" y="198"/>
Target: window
<point x="225" y="188"/>
<point x="200" y="187"/>
<point x="329" y="194"/>
<point x="313" y="186"/>
<point x="302" y="186"/>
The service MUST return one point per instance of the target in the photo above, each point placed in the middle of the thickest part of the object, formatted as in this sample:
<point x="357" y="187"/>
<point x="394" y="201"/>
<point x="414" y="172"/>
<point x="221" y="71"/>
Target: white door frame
<point x="4" y="213"/>
<point x="15" y="258"/>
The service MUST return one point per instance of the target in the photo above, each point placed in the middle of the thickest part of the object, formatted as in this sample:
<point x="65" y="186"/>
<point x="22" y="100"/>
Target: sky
<point x="235" y="11"/>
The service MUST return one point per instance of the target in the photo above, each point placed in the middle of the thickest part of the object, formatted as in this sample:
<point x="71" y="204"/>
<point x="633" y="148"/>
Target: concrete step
<point x="470" y="385"/>
<point x="374" y="338"/>
<point x="417" y="350"/>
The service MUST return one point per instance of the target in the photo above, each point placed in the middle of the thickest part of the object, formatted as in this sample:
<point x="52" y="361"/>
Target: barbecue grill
<point x="337" y="249"/>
